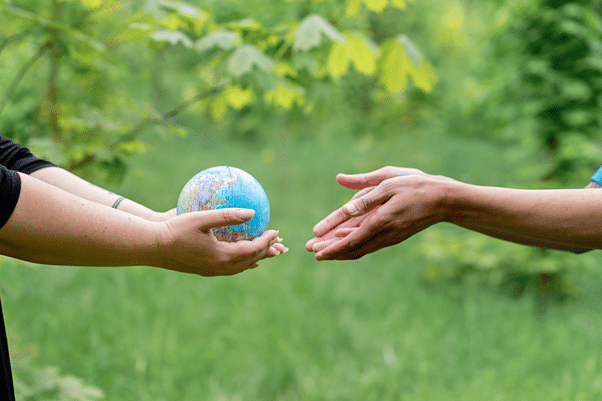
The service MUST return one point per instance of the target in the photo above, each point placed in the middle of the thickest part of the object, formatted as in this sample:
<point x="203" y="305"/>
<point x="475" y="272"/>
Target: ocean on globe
<point x="227" y="187"/>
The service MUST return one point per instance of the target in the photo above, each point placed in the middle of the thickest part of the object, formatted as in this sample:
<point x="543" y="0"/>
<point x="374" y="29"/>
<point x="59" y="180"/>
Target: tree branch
<point x="148" y="122"/>
<point x="175" y="111"/>
<point x="16" y="38"/>
<point x="13" y="86"/>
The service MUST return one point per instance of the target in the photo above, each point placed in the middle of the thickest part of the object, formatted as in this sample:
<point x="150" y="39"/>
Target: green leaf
<point x="184" y="9"/>
<point x="245" y="58"/>
<point x="397" y="64"/>
<point x="136" y="31"/>
<point x="184" y="15"/>
<point x="172" y="37"/>
<point x="338" y="60"/>
<point x="411" y="50"/>
<point x="311" y="30"/>
<point x="305" y="61"/>
<point x="353" y="6"/>
<point x="222" y="39"/>
<point x="238" y="97"/>
<point x="285" y="95"/>
<point x="376" y="5"/>
<point x="357" y="50"/>
<point x="395" y="67"/>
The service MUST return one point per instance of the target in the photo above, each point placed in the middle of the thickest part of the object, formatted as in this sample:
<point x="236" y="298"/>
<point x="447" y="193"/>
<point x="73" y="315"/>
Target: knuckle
<point x="387" y="186"/>
<point x="361" y="204"/>
<point x="389" y="170"/>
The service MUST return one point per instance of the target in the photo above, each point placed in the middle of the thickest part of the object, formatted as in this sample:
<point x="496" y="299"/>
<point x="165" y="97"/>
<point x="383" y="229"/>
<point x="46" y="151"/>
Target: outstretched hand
<point x="187" y="244"/>
<point x="392" y="205"/>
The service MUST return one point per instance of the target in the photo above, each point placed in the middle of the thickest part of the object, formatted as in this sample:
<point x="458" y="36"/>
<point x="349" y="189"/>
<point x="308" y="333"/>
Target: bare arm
<point x="565" y="217"/>
<point x="52" y="226"/>
<point x="524" y="240"/>
<point x="75" y="185"/>
<point x="397" y="203"/>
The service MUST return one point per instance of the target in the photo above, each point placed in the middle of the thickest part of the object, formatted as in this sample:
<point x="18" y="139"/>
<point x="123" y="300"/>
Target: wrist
<point x="153" y="252"/>
<point x="449" y="199"/>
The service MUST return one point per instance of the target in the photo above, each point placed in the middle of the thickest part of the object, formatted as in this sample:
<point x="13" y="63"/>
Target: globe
<point x="227" y="187"/>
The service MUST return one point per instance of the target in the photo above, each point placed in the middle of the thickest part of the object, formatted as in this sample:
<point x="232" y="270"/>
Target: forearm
<point x="522" y="239"/>
<point x="559" y="219"/>
<point x="75" y="185"/>
<point x="52" y="226"/>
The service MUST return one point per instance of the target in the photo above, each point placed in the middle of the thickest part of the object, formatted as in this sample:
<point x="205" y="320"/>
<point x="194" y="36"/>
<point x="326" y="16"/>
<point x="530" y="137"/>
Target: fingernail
<point x="351" y="209"/>
<point x="246" y="213"/>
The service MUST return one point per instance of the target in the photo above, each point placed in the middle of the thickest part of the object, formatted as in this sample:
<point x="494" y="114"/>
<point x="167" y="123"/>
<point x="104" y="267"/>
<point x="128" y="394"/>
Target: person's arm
<point x="393" y="209"/>
<point x="52" y="226"/>
<point x="569" y="217"/>
<point x="524" y="240"/>
<point x="73" y="184"/>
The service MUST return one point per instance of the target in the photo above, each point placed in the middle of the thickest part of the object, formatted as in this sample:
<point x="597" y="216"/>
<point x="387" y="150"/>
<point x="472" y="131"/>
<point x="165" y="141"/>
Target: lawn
<point x="296" y="329"/>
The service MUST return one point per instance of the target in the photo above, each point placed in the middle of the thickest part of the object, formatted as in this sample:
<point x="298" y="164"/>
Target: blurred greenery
<point x="139" y="96"/>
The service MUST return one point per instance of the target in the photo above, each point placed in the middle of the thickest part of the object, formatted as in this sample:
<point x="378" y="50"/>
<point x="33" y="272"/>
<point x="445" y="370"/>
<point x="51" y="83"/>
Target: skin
<point x="392" y="204"/>
<point x="63" y="219"/>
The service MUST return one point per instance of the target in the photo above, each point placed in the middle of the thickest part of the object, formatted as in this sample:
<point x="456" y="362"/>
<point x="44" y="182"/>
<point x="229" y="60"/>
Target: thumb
<point x="364" y="180"/>
<point x="224" y="217"/>
<point x="374" y="178"/>
<point x="363" y="204"/>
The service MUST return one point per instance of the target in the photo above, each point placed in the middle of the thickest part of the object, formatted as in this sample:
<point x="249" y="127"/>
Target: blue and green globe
<point x="227" y="187"/>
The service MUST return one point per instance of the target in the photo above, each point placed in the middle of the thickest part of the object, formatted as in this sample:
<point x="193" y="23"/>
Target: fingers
<point x="373" y="178"/>
<point x="277" y="249"/>
<point x="309" y="245"/>
<point x="331" y="221"/>
<point x="337" y="247"/>
<point x="363" y="192"/>
<point x="364" y="180"/>
<point x="224" y="217"/>
<point x="354" y="208"/>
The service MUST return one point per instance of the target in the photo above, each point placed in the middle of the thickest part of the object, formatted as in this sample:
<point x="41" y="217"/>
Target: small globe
<point x="227" y="187"/>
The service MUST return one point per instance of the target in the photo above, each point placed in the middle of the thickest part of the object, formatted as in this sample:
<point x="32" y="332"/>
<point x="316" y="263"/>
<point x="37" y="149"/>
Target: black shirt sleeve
<point x="10" y="188"/>
<point x="14" y="158"/>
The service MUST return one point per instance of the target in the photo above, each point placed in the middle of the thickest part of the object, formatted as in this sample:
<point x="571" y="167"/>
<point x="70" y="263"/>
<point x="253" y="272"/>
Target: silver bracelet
<point x="117" y="202"/>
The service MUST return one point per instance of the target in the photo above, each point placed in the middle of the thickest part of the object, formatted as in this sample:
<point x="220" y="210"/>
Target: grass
<point x="296" y="329"/>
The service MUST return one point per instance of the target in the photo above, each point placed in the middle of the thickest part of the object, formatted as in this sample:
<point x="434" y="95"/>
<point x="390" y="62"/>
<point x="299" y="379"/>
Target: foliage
<point x="538" y="94"/>
<point x="559" y="89"/>
<point x="90" y="109"/>
<point x="515" y="269"/>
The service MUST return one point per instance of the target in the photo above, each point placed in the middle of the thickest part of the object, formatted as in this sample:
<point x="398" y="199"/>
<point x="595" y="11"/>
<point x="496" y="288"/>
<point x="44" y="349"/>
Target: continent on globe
<point x="227" y="187"/>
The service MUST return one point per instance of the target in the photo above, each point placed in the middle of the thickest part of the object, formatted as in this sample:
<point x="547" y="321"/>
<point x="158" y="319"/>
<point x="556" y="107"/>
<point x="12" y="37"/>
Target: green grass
<point x="296" y="329"/>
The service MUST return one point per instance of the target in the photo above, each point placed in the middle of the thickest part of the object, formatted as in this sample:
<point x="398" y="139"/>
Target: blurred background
<point x="139" y="96"/>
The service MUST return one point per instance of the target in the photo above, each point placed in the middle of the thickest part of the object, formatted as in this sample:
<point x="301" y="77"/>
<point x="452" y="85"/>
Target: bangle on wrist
<point x="117" y="202"/>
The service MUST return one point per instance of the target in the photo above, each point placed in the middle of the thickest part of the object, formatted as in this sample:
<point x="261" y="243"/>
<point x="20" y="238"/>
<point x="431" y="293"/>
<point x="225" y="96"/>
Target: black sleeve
<point x="14" y="158"/>
<point x="10" y="188"/>
<point x="18" y="158"/>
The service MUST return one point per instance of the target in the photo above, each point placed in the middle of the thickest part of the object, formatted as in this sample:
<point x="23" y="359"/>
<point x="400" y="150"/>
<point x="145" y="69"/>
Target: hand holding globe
<point x="224" y="187"/>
